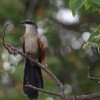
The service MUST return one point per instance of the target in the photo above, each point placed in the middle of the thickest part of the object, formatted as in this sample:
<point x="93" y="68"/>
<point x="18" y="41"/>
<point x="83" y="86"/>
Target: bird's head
<point x="29" y="23"/>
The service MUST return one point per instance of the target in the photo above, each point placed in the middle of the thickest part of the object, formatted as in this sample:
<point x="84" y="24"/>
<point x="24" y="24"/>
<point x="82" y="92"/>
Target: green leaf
<point x="97" y="2"/>
<point x="94" y="39"/>
<point x="95" y="5"/>
<point x="95" y="35"/>
<point x="75" y="5"/>
<point x="87" y="4"/>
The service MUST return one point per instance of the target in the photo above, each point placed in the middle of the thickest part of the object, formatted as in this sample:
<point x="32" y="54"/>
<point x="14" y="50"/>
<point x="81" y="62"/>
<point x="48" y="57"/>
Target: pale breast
<point x="31" y="44"/>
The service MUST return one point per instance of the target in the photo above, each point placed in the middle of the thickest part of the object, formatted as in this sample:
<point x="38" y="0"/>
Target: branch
<point x="15" y="51"/>
<point x="92" y="78"/>
<point x="84" y="97"/>
<point x="88" y="96"/>
<point x="44" y="91"/>
<point x="61" y="94"/>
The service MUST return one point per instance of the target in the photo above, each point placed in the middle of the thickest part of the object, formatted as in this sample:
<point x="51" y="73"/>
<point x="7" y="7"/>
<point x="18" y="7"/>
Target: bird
<point x="32" y="46"/>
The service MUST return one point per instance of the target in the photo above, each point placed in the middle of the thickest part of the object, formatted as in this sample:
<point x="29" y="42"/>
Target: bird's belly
<point x="31" y="45"/>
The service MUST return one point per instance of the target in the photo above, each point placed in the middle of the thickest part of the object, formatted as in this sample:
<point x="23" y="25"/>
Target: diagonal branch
<point x="42" y="67"/>
<point x="60" y="94"/>
<point x="43" y="90"/>
<point x="15" y="51"/>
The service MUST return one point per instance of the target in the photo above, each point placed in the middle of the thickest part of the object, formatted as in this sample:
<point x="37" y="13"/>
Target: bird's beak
<point x="22" y="22"/>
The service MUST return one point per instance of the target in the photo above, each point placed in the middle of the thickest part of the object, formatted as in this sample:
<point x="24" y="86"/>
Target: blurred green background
<point x="63" y="35"/>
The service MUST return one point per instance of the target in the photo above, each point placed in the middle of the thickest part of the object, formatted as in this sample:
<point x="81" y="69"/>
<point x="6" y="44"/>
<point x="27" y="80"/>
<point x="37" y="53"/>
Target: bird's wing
<point x="42" y="49"/>
<point x="23" y="44"/>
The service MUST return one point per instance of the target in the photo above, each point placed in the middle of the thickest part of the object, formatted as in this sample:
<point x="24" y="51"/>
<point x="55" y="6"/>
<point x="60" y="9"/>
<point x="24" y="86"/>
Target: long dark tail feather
<point x="32" y="76"/>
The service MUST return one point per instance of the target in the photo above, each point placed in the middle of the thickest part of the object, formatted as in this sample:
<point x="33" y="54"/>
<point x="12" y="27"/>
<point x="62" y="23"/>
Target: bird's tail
<point x="32" y="76"/>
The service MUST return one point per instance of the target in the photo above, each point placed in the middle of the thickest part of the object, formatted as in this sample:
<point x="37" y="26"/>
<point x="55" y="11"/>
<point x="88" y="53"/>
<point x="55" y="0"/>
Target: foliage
<point x="75" y="5"/>
<point x="94" y="39"/>
<point x="66" y="62"/>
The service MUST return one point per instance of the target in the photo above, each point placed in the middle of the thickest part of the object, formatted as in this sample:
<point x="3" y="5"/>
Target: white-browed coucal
<point x="33" y="47"/>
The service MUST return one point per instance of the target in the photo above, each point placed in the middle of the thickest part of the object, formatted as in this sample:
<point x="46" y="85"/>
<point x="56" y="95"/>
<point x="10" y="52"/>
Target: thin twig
<point x="3" y="37"/>
<point x="84" y="97"/>
<point x="91" y="77"/>
<point x="44" y="91"/>
<point x="88" y="96"/>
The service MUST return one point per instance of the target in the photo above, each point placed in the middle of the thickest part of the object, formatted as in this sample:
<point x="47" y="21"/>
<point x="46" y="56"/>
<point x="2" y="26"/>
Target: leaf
<point x="87" y="4"/>
<point x="95" y="35"/>
<point x="95" y="5"/>
<point x="87" y="45"/>
<point x="75" y="5"/>
<point x="97" y="2"/>
<point x="94" y="39"/>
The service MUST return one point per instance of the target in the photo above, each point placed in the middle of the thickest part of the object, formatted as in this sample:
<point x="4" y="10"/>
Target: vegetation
<point x="64" y="40"/>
